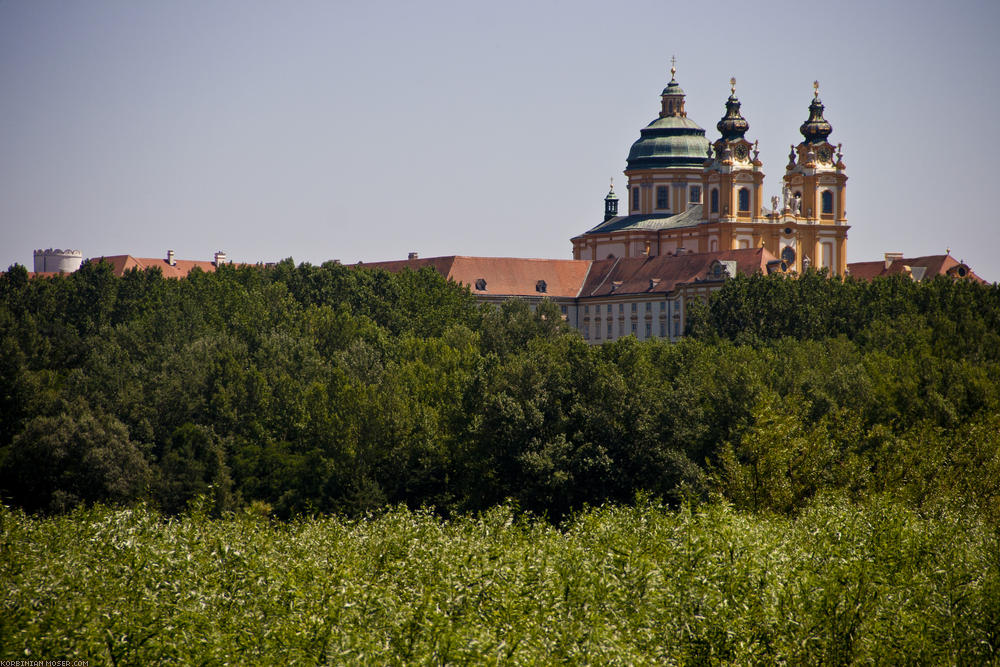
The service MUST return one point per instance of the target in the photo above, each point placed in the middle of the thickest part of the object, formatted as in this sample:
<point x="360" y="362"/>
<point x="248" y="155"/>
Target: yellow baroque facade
<point x="688" y="195"/>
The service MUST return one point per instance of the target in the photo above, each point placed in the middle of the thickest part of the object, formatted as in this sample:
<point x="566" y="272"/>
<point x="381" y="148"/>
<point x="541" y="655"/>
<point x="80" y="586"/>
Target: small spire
<point x="673" y="67"/>
<point x="611" y="203"/>
<point x="732" y="85"/>
<point x="815" y="89"/>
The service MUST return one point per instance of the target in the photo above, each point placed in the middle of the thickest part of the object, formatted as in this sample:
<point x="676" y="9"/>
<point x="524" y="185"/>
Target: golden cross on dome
<point x="673" y="67"/>
<point x="732" y="84"/>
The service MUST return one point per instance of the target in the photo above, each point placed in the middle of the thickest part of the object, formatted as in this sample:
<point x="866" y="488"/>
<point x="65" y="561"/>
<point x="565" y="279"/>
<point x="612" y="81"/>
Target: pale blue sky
<point x="364" y="130"/>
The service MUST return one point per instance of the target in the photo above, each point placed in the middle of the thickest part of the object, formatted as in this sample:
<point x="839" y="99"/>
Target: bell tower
<point x="814" y="194"/>
<point x="732" y="178"/>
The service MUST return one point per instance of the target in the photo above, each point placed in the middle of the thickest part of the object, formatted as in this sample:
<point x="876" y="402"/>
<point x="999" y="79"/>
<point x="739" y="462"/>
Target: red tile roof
<point x="664" y="273"/>
<point x="515" y="276"/>
<point x="503" y="276"/>
<point x="180" y="268"/>
<point x="933" y="265"/>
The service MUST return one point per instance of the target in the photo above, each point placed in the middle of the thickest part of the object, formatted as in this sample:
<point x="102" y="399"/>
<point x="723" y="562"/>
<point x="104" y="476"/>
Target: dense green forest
<point x="302" y="389"/>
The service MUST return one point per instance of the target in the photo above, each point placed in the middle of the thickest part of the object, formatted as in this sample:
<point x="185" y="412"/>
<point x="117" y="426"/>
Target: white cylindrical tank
<point x="56" y="260"/>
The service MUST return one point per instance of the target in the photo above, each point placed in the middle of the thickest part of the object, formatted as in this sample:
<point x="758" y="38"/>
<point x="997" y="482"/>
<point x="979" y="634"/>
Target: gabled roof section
<point x="651" y="222"/>
<point x="920" y="268"/>
<point x="179" y="269"/>
<point x="503" y="276"/>
<point x="663" y="274"/>
<point x="520" y="276"/>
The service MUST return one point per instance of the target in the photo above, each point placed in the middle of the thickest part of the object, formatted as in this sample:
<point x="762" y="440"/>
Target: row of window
<point x="634" y="331"/>
<point x="743" y="200"/>
<point x="621" y="307"/>
<point x="663" y="196"/>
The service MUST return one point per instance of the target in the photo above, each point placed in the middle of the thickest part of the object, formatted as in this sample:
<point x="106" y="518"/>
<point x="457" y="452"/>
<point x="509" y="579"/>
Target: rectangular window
<point x="609" y="309"/>
<point x="662" y="197"/>
<point x="649" y="329"/>
<point x="694" y="194"/>
<point x="635" y="199"/>
<point x="633" y="327"/>
<point x="621" y="307"/>
<point x="663" y="329"/>
<point x="649" y="306"/>
<point x="677" y="329"/>
<point x="586" y="333"/>
<point x="563" y="310"/>
<point x="743" y="200"/>
<point x="827" y="260"/>
<point x="609" y="329"/>
<point x="633" y="307"/>
<point x="586" y="309"/>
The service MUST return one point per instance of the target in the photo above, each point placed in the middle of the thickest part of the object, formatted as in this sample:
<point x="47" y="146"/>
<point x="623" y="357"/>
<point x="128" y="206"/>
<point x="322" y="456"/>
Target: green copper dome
<point x="671" y="141"/>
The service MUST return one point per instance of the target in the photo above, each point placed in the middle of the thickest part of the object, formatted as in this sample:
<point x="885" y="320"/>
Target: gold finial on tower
<point x="815" y="88"/>
<point x="673" y="67"/>
<point x="732" y="85"/>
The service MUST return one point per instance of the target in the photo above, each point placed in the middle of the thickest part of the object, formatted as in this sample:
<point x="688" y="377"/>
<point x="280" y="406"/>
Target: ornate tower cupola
<point x="814" y="193"/>
<point x="733" y="179"/>
<point x="733" y="125"/>
<point x="816" y="129"/>
<point x="611" y="203"/>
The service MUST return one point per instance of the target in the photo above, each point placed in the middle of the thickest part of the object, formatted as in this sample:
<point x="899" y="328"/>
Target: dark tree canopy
<point x="333" y="388"/>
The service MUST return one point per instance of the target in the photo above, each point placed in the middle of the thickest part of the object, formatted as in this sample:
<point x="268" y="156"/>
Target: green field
<point x="839" y="583"/>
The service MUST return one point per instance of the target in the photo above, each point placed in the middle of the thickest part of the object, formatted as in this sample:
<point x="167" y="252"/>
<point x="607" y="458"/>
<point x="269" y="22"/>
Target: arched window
<point x="662" y="196"/>
<point x="715" y="200"/>
<point x="743" y="200"/>
<point x="827" y="199"/>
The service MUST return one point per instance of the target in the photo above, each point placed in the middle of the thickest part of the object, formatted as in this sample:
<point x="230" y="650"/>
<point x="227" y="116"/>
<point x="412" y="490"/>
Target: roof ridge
<point x="606" y="276"/>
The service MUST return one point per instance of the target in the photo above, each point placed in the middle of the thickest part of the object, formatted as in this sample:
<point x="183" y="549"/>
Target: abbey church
<point x="687" y="195"/>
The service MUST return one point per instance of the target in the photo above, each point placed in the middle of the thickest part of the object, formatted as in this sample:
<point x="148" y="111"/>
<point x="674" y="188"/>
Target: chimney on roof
<point x="170" y="258"/>
<point x="220" y="258"/>
<point x="891" y="257"/>
<point x="412" y="255"/>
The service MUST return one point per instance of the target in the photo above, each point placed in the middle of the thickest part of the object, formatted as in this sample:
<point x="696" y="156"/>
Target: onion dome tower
<point x="665" y="162"/>
<point x="814" y="192"/>
<point x="733" y="179"/>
